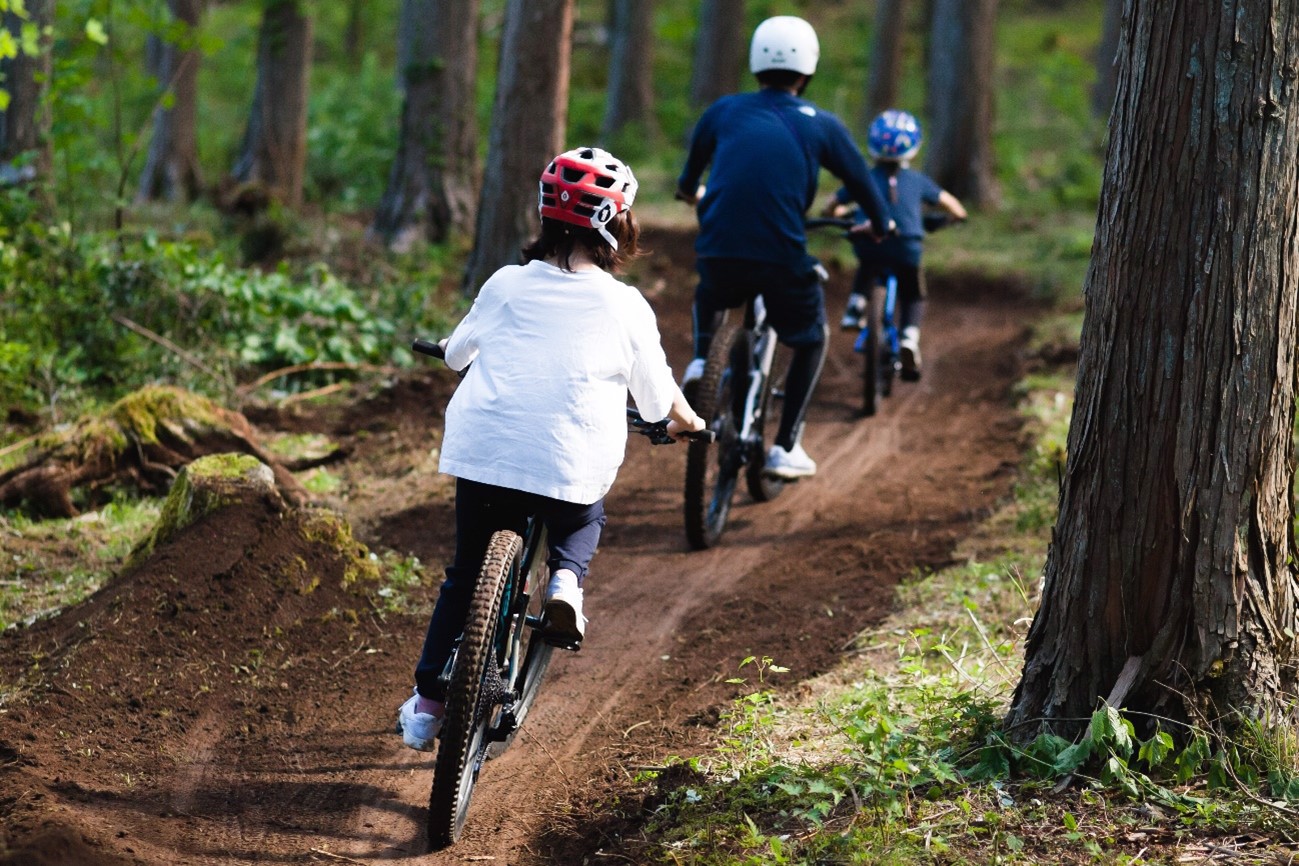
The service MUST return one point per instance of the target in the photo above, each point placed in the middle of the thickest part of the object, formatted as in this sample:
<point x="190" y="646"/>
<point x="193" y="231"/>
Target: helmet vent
<point x="573" y="175"/>
<point x="605" y="182"/>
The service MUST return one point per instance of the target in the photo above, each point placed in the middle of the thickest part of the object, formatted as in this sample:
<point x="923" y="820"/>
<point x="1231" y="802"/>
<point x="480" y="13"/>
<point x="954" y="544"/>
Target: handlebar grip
<point x="709" y="436"/>
<point x="427" y="347"/>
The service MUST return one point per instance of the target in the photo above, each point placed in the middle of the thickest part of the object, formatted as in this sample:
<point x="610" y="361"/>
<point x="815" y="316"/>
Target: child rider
<point x="763" y="152"/>
<point x="892" y="141"/>
<point x="538" y="425"/>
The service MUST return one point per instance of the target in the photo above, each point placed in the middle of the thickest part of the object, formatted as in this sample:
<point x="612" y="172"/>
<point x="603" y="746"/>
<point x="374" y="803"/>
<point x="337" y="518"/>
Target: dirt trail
<point x="198" y="747"/>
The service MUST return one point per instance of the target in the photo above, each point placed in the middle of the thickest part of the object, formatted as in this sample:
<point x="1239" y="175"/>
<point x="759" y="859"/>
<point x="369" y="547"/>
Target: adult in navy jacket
<point x="763" y="152"/>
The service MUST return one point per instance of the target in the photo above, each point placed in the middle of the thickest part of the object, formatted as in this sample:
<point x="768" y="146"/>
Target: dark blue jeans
<point x="573" y="532"/>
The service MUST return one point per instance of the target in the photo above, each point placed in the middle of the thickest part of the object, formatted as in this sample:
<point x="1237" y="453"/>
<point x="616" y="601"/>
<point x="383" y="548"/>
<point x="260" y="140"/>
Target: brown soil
<point x="232" y="701"/>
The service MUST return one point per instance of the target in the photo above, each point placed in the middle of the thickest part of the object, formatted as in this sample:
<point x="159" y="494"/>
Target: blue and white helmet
<point x="894" y="135"/>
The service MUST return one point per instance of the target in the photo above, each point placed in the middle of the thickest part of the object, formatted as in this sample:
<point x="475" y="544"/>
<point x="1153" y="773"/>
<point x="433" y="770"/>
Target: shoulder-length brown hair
<point x="558" y="241"/>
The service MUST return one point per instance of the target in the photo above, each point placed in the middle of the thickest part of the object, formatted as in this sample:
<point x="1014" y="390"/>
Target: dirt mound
<point x="123" y="689"/>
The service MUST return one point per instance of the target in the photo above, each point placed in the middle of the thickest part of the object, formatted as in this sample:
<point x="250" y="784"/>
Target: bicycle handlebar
<point x="655" y="431"/>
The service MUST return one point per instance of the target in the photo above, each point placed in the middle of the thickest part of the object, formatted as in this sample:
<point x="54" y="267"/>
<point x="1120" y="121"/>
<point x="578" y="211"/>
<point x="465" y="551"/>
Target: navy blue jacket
<point x="763" y="152"/>
<point x="914" y="191"/>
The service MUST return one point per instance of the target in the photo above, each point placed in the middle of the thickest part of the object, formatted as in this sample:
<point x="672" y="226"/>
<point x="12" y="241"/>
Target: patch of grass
<point x="48" y="565"/>
<point x="899" y="756"/>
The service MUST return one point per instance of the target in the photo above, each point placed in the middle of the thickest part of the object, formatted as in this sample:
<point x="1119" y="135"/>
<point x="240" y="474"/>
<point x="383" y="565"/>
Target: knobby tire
<point x="532" y="650"/>
<point x="712" y="470"/>
<point x="470" y="708"/>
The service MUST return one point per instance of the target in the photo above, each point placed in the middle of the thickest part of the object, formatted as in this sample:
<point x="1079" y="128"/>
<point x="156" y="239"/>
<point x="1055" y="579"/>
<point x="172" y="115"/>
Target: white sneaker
<point x="562" y="616"/>
<point x="694" y="372"/>
<point x="790" y="465"/>
<point x="909" y="353"/>
<point x="854" y="315"/>
<point x="418" y="730"/>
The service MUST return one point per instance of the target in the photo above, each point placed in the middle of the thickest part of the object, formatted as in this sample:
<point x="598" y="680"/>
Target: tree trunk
<point x="1106" y="56"/>
<point x="527" y="130"/>
<point x="961" y="79"/>
<point x="630" y="99"/>
<point x="434" y="178"/>
<point x="24" y="125"/>
<point x="274" y="149"/>
<point x="171" y="170"/>
<point x="886" y="57"/>
<point x="1170" y="577"/>
<point x="720" y="59"/>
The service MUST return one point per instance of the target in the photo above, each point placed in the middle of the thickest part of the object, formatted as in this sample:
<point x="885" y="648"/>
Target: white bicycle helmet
<point x="784" y="42"/>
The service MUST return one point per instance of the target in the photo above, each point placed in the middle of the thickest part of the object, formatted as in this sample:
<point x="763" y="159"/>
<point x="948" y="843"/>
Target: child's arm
<point x="952" y="205"/>
<point x="682" y="418"/>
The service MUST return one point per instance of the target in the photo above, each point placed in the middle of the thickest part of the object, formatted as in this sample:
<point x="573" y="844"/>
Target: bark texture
<point x="721" y="55"/>
<point x="24" y="125"/>
<point x="886" y="58"/>
<point x="274" y="149"/>
<point x="527" y="130"/>
<point x="434" y="177"/>
<point x="171" y="170"/>
<point x="1170" y="576"/>
<point x="630" y="97"/>
<point x="1107" y="76"/>
<point x="961" y="79"/>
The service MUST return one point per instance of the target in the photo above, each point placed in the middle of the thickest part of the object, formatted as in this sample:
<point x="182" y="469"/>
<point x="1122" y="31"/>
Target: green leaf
<point x="1156" y="750"/>
<point x="8" y="47"/>
<point x="1073" y="757"/>
<point x="95" y="31"/>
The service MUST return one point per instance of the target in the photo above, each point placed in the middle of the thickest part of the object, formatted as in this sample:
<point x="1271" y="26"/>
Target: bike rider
<point x="538" y="425"/>
<point x="763" y="151"/>
<point x="893" y="140"/>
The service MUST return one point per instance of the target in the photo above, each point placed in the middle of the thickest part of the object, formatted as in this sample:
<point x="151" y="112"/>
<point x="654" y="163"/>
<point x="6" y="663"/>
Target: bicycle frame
<point x="759" y="373"/>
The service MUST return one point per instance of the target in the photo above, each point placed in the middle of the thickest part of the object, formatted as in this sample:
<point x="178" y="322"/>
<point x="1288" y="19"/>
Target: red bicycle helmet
<point x="587" y="187"/>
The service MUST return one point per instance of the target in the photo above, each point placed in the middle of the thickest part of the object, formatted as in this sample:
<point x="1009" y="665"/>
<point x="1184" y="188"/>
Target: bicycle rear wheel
<point x="531" y="653"/>
<point x="474" y="696"/>
<point x="712" y="470"/>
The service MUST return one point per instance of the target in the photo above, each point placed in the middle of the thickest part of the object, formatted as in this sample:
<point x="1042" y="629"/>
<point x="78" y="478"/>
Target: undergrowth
<point x="901" y="757"/>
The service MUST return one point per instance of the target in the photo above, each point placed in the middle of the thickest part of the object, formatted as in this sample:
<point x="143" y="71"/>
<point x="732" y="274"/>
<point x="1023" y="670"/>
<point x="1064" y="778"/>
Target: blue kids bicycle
<point x="878" y="337"/>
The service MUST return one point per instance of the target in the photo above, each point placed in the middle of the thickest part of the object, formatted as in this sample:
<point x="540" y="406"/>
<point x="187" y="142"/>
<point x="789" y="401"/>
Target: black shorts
<point x="794" y="297"/>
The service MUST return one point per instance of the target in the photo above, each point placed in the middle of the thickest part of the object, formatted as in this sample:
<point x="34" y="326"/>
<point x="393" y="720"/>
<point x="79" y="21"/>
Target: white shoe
<point x="418" y="730"/>
<point x="562" y="616"/>
<point x="854" y="315"/>
<point x="694" y="372"/>
<point x="909" y="353"/>
<point x="789" y="465"/>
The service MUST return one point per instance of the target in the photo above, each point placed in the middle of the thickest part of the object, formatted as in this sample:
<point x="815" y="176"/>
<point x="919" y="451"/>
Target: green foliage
<point x="85" y="312"/>
<point x="351" y="135"/>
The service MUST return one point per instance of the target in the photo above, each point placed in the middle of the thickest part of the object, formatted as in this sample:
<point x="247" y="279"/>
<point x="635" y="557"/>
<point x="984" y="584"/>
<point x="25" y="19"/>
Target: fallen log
<point x="140" y="442"/>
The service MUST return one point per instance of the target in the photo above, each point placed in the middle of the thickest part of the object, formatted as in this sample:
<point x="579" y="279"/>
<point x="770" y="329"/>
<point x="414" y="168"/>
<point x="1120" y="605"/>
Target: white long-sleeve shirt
<point x="543" y="406"/>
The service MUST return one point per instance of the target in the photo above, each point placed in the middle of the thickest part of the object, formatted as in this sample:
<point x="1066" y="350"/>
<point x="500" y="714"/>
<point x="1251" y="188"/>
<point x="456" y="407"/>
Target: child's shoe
<point x="418" y="730"/>
<point x="909" y="353"/>
<point x="562" y="619"/>
<point x="854" y="315"/>
<point x="790" y="465"/>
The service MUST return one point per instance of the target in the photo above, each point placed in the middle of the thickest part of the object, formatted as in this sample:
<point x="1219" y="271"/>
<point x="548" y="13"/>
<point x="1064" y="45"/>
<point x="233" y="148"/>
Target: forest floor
<point x="203" y="709"/>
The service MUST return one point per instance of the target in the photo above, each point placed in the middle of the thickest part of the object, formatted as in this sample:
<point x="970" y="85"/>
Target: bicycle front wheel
<point x="712" y="469"/>
<point x="868" y="343"/>
<point x="474" y="697"/>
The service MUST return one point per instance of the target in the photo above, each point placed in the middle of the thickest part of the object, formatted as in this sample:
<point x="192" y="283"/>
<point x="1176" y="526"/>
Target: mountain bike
<point x="878" y="338"/>
<point x="737" y="395"/>
<point x="496" y="667"/>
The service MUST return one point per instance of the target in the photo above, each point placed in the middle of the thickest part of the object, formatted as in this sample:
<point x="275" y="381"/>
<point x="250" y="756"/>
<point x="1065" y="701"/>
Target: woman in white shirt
<point x="538" y="424"/>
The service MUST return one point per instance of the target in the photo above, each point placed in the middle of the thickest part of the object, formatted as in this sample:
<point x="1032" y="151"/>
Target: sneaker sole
<point x="910" y="364"/>
<point x="560" y="624"/>
<point x="788" y="474"/>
